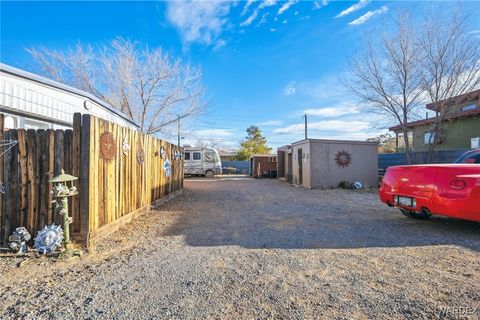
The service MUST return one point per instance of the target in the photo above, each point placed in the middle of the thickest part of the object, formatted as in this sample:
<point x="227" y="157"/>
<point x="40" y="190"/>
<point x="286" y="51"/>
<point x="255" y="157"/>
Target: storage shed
<point x="263" y="166"/>
<point x="284" y="163"/>
<point x="318" y="163"/>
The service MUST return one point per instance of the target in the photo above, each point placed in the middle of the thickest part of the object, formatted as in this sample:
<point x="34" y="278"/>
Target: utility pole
<point x="178" y="129"/>
<point x="306" y="126"/>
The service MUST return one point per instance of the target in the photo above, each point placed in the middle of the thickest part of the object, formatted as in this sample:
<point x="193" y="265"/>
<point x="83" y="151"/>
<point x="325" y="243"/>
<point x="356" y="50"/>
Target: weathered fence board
<point x="112" y="191"/>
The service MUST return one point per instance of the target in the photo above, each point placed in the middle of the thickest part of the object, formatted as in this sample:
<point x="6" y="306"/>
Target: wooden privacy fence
<point x="121" y="174"/>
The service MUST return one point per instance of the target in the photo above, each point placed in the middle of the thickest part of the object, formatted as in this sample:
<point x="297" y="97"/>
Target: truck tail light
<point x="458" y="184"/>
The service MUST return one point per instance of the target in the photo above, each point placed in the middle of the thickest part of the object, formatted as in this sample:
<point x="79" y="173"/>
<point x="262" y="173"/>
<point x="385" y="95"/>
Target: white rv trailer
<point x="30" y="101"/>
<point x="202" y="161"/>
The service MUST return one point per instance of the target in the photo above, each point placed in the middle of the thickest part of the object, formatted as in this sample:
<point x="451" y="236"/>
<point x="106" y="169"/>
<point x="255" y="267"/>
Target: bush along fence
<point x="122" y="173"/>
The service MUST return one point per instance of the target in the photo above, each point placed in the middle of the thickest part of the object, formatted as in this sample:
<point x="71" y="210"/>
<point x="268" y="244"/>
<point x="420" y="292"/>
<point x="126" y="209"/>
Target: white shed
<point x="31" y="101"/>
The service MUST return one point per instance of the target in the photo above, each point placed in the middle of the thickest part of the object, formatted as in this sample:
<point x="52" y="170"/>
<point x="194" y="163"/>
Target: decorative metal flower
<point x="343" y="158"/>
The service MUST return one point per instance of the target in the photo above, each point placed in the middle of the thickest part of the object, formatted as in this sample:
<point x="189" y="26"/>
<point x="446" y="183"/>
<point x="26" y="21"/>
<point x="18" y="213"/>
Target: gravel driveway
<point x="244" y="248"/>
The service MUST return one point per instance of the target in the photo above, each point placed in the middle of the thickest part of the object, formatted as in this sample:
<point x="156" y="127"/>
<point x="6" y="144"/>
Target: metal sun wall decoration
<point x="343" y="158"/>
<point x="108" y="148"/>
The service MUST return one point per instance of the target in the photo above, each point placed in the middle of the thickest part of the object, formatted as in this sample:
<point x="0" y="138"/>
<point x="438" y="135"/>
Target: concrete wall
<point x="320" y="169"/>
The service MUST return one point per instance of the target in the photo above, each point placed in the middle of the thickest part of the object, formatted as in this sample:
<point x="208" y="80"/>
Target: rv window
<point x="187" y="155"/>
<point x="209" y="157"/>
<point x="197" y="156"/>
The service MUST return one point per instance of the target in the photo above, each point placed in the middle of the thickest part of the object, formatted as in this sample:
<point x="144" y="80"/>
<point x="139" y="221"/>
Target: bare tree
<point x="148" y="85"/>
<point x="386" y="76"/>
<point x="451" y="66"/>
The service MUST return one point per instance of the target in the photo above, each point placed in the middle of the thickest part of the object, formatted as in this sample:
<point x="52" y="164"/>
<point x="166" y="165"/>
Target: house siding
<point x="458" y="134"/>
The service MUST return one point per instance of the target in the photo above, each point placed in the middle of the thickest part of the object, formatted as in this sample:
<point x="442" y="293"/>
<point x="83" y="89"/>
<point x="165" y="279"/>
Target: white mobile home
<point x="30" y="101"/>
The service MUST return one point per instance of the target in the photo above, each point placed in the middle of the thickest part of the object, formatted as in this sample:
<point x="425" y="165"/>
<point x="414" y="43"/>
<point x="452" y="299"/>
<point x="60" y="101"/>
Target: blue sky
<point x="264" y="63"/>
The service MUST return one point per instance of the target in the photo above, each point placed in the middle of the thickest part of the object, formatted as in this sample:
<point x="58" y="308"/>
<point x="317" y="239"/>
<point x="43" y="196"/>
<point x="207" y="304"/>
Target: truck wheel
<point x="422" y="215"/>
<point x="209" y="174"/>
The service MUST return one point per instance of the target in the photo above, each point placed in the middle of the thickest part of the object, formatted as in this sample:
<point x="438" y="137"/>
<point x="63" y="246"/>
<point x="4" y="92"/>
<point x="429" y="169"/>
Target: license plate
<point x="405" y="201"/>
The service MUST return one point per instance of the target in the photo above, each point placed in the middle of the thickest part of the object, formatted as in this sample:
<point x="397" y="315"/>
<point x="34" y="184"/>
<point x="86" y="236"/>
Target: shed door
<point x="300" y="167"/>
<point x="289" y="167"/>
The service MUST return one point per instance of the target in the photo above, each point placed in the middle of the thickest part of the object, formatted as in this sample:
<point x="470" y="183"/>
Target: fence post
<point x="76" y="153"/>
<point x="2" y="198"/>
<point x="84" y="175"/>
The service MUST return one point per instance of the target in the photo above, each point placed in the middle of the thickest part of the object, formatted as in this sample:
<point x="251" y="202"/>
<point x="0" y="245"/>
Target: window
<point x="429" y="138"/>
<point x="209" y="156"/>
<point x="469" y="107"/>
<point x="187" y="156"/>
<point x="197" y="156"/>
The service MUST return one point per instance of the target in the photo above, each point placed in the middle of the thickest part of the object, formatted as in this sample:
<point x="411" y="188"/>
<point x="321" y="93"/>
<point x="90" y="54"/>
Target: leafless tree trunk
<point x="148" y="85"/>
<point x="451" y="66"/>
<point x="386" y="78"/>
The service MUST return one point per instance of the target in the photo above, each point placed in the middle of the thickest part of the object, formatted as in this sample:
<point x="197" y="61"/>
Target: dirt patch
<point x="260" y="249"/>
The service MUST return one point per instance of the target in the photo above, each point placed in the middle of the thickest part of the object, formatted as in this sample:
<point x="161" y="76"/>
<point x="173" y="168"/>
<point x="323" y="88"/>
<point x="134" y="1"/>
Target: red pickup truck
<point x="451" y="190"/>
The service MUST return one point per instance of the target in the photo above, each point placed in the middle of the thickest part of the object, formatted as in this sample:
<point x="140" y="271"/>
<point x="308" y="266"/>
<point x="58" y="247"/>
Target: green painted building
<point x="460" y="128"/>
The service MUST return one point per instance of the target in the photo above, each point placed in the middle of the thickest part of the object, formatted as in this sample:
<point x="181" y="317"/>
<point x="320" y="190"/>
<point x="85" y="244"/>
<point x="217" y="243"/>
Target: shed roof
<point x="52" y="83"/>
<point x="335" y="141"/>
<point x="262" y="155"/>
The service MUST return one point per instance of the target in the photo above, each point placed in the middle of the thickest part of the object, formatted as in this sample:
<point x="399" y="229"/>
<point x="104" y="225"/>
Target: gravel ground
<point x="244" y="248"/>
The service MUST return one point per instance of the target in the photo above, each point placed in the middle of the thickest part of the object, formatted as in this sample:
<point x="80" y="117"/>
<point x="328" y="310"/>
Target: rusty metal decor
<point x="108" y="148"/>
<point x="343" y="158"/>
<point x="140" y="156"/>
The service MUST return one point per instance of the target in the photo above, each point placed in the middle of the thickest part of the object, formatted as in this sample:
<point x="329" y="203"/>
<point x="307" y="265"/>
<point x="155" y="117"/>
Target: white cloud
<point x="326" y="126"/>
<point x="250" y="19"/>
<point x="271" y="123"/>
<point x="198" y="21"/>
<point x="339" y="110"/>
<point x="475" y="33"/>
<point x="290" y="89"/>
<point x="219" y="44"/>
<point x="273" y="29"/>
<point x="247" y="6"/>
<point x="214" y="133"/>
<point x="368" y="15"/>
<point x="357" y="6"/>
<point x="254" y="15"/>
<point x="263" y="19"/>
<point x="286" y="6"/>
<point x="267" y="3"/>
<point x="319" y="4"/>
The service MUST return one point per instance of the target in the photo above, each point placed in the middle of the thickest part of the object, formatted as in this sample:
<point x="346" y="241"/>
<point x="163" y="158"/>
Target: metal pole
<point x="306" y="127"/>
<point x="178" y="129"/>
<point x="66" y="223"/>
